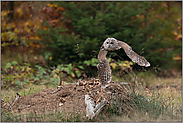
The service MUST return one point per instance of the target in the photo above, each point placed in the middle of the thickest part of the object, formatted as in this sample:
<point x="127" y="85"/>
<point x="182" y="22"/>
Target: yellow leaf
<point x="37" y="26"/>
<point x="11" y="67"/>
<point x="55" y="76"/>
<point x="31" y="38"/>
<point x="28" y="69"/>
<point x="16" y="30"/>
<point x="175" y="33"/>
<point x="179" y="36"/>
<point x="37" y="38"/>
<point x="131" y="63"/>
<point x="50" y="58"/>
<point x="60" y="8"/>
<point x="4" y="13"/>
<point x="28" y="30"/>
<point x="22" y="75"/>
<point x="127" y="62"/>
<point x="177" y="58"/>
<point x="54" y="5"/>
<point x="19" y="10"/>
<point x="128" y="65"/>
<point x="113" y="65"/>
<point x="37" y="45"/>
<point x="124" y="65"/>
<point x="45" y="28"/>
<point x="72" y="74"/>
<point x="23" y="68"/>
<point x="30" y="83"/>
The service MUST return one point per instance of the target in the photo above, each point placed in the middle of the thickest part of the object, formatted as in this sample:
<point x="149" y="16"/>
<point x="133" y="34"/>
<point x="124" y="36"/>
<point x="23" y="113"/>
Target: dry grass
<point x="165" y="104"/>
<point x="9" y="95"/>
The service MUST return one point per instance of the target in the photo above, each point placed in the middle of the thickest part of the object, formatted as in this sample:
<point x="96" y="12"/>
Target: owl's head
<point x="111" y="44"/>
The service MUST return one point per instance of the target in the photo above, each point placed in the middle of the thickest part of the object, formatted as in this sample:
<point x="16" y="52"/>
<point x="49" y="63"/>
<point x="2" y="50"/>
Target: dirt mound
<point x="69" y="98"/>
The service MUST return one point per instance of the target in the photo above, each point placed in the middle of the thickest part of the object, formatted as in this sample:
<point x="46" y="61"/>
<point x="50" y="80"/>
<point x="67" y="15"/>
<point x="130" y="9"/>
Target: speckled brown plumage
<point x="110" y="44"/>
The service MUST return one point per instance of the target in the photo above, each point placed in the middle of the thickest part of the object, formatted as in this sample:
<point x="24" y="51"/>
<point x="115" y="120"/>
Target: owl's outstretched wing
<point x="132" y="55"/>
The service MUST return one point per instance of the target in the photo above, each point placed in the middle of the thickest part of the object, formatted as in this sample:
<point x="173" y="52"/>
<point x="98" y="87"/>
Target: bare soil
<point x="70" y="98"/>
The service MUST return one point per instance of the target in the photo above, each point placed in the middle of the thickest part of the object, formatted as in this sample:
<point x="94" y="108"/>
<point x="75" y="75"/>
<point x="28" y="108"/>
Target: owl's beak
<point x="108" y="46"/>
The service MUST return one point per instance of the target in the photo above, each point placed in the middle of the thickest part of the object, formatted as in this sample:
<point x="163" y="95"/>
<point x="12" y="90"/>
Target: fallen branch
<point x="91" y="109"/>
<point x="58" y="89"/>
<point x="3" y="104"/>
<point x="99" y="107"/>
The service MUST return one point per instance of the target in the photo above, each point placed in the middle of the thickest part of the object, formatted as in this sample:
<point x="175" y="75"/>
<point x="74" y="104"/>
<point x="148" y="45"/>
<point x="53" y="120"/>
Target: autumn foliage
<point x="71" y="32"/>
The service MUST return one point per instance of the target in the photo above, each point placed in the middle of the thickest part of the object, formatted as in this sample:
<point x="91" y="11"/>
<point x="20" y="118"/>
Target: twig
<point x="91" y="109"/>
<point x="108" y="8"/>
<point x="99" y="107"/>
<point x="2" y="101"/>
<point x="91" y="7"/>
<point x="10" y="106"/>
<point x="102" y="7"/>
<point x="16" y="99"/>
<point x="29" y="90"/>
<point x="60" y="80"/>
<point x="59" y="88"/>
<point x="24" y="107"/>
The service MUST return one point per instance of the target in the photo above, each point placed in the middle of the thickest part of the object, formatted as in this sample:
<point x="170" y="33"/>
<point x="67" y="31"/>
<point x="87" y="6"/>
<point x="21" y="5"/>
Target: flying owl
<point x="110" y="44"/>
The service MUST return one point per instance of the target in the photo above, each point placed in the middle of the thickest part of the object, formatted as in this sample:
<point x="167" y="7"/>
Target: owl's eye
<point x="111" y="42"/>
<point x="107" y="42"/>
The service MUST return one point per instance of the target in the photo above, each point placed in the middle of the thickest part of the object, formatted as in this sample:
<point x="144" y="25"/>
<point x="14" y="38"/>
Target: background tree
<point x="72" y="32"/>
<point x="146" y="26"/>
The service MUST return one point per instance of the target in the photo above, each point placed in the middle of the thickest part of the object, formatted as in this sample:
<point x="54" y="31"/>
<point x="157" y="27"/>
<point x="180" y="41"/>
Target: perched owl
<point x="110" y="44"/>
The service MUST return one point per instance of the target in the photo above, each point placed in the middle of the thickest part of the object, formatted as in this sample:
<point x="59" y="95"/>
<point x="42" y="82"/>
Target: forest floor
<point x="36" y="103"/>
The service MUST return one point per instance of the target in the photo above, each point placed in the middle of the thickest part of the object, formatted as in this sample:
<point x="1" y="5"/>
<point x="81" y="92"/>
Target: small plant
<point x="18" y="76"/>
<point x="15" y="75"/>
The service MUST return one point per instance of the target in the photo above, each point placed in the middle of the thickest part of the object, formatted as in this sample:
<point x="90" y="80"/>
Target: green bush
<point x="146" y="26"/>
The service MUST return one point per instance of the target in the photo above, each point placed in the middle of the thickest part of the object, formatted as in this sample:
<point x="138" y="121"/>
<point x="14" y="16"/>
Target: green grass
<point x="9" y="94"/>
<point x="50" y="117"/>
<point x="151" y="104"/>
<point x="160" y="105"/>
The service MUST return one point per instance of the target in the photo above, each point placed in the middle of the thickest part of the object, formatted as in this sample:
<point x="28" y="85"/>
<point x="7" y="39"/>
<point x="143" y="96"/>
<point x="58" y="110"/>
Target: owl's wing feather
<point x="132" y="55"/>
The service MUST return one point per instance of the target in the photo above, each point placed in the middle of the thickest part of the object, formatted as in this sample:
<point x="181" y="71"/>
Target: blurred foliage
<point x="18" y="29"/>
<point x="72" y="32"/>
<point x="76" y="30"/>
<point x="15" y="75"/>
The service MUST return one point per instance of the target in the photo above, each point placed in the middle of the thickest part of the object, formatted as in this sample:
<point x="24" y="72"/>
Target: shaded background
<point x="71" y="33"/>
